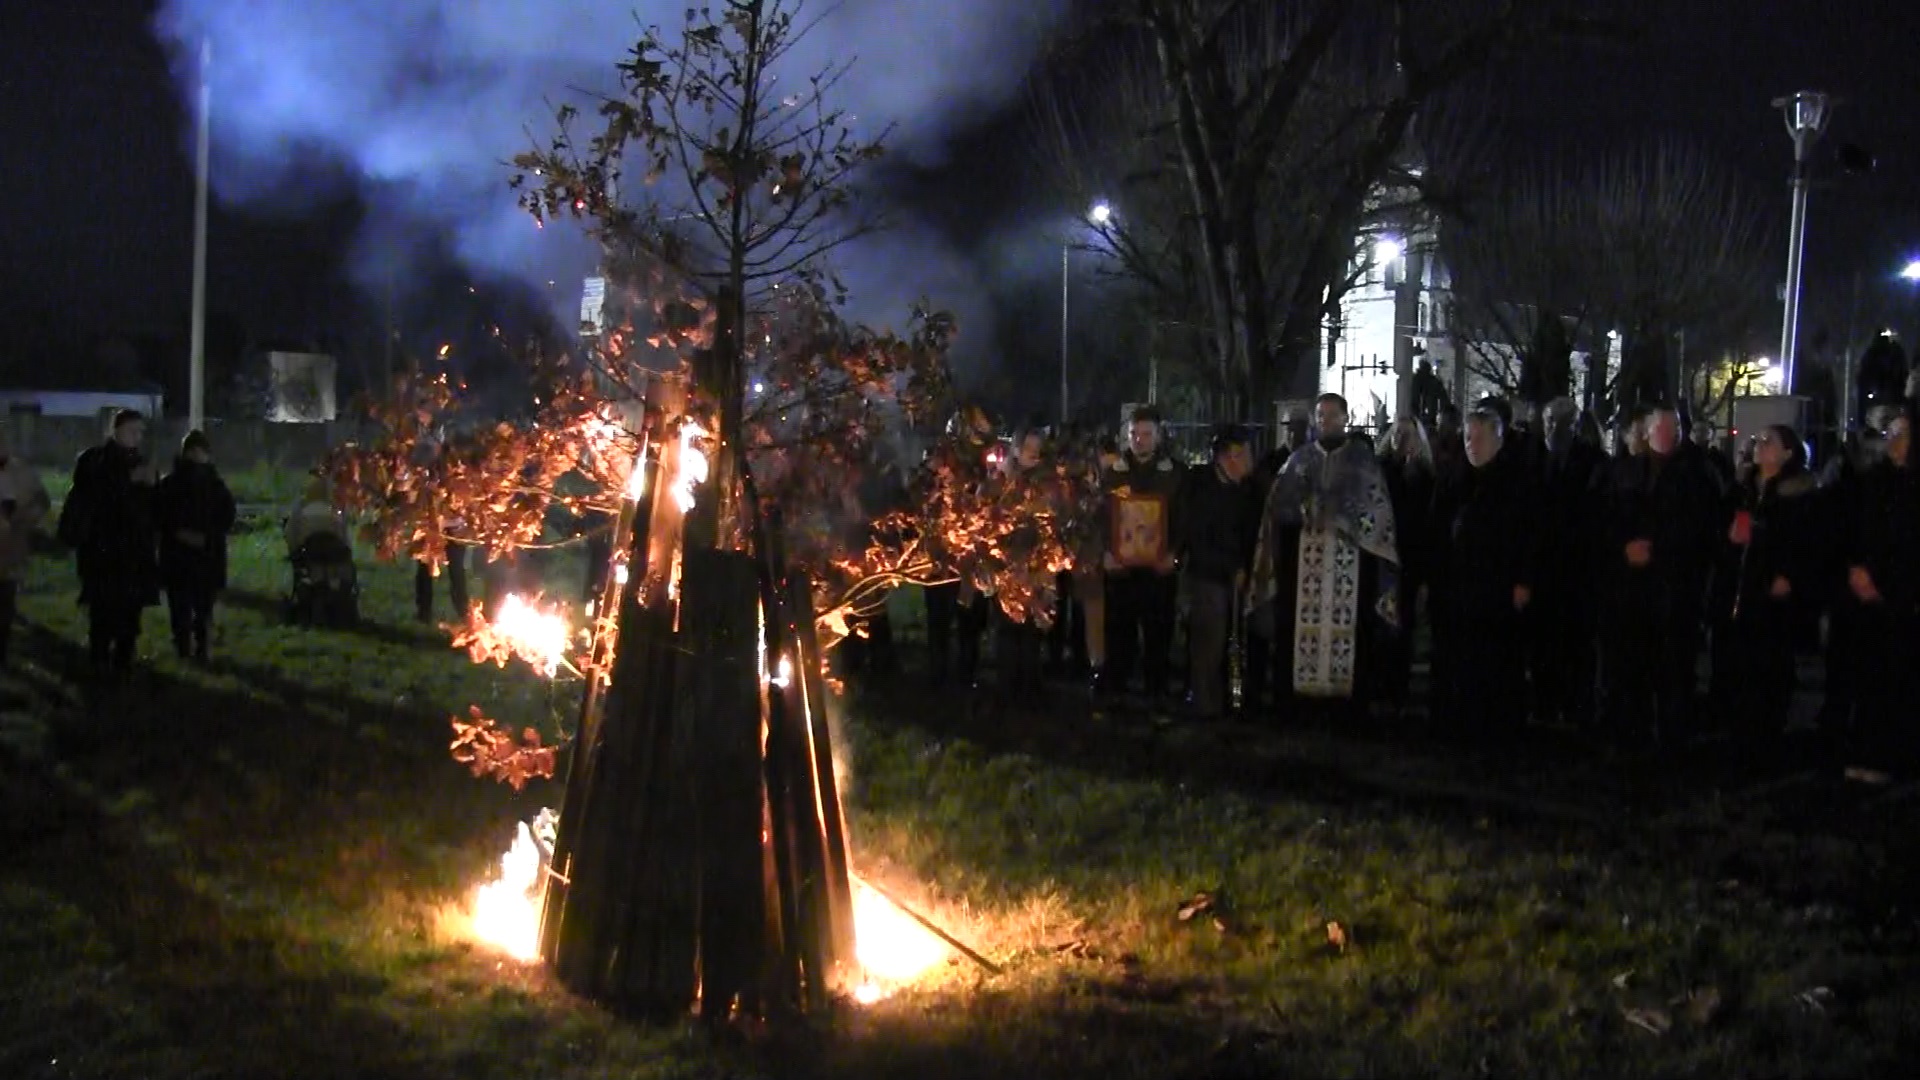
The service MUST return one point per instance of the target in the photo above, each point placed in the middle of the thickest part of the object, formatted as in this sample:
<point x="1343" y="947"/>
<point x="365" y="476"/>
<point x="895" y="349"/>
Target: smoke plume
<point x="420" y="103"/>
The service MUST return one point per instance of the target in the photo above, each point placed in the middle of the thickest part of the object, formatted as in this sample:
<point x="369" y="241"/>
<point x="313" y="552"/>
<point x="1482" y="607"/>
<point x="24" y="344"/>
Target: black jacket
<point x="1781" y="541"/>
<point x="108" y="520"/>
<point x="1679" y="506"/>
<point x="1219" y="526"/>
<point x="193" y="499"/>
<point x="1884" y="533"/>
<point x="1488" y="538"/>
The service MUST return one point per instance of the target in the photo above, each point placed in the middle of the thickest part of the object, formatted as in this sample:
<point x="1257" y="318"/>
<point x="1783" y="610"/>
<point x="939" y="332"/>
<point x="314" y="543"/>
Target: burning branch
<point x="488" y="749"/>
<point x="523" y="630"/>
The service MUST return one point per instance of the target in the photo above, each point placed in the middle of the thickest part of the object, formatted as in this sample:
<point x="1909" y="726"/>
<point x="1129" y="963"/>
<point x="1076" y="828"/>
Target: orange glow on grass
<point x="892" y="949"/>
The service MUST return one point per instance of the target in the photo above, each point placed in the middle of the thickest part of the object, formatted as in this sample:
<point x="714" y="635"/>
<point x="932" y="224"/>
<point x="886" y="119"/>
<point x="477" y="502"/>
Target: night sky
<point x="95" y="222"/>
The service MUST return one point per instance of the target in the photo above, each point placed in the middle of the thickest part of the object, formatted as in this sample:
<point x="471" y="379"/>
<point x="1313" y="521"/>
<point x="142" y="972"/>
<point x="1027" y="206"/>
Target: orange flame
<point x="693" y="465"/>
<point x="522" y="630"/>
<point x="506" y="910"/>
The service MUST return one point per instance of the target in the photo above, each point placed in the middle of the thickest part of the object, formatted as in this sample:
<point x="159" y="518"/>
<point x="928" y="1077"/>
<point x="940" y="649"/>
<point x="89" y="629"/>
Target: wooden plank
<point x="572" y="929"/>
<point x="836" y="884"/>
<point x="720" y="703"/>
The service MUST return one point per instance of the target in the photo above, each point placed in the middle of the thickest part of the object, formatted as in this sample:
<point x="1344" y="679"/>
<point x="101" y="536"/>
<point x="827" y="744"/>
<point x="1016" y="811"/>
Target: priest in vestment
<point x="1326" y="567"/>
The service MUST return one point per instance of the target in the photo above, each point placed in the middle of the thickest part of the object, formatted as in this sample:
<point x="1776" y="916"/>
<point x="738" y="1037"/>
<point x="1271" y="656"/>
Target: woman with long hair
<point x="1407" y="464"/>
<point x="1775" y="567"/>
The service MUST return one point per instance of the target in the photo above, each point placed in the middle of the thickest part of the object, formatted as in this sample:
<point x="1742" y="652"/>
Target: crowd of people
<point x="1655" y="591"/>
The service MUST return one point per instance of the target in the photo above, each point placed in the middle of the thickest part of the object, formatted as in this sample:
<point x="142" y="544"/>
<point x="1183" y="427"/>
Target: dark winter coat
<point x="1885" y="533"/>
<point x="1678" y="505"/>
<point x="1412" y="490"/>
<point x="1219" y="526"/>
<point x="1571" y="478"/>
<point x="1488" y="541"/>
<point x="1783" y="541"/>
<point x="193" y="500"/>
<point x="108" y="521"/>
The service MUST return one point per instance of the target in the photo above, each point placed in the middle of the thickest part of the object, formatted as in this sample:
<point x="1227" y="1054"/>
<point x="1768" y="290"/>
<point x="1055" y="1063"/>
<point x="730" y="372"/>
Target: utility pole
<point x="197" y="343"/>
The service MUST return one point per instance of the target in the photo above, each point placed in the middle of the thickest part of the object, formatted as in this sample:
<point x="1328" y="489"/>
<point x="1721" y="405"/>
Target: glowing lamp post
<point x="1912" y="271"/>
<point x="1099" y="214"/>
<point x="1807" y="113"/>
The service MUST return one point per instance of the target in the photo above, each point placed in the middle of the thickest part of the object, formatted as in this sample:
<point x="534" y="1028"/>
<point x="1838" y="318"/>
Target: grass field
<point x="255" y="869"/>
<point x="258" y="485"/>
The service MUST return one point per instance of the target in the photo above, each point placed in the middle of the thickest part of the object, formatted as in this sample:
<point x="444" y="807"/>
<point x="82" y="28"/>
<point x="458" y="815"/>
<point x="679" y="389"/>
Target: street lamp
<point x="1912" y="271"/>
<point x="1807" y="113"/>
<point x="1387" y="251"/>
<point x="1099" y="214"/>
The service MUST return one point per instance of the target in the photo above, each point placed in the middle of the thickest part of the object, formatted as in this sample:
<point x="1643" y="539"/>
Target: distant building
<point x="1400" y="302"/>
<point x="82" y="401"/>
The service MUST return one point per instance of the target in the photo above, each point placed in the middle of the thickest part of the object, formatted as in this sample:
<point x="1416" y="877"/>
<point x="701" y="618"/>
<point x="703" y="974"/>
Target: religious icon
<point x="1140" y="530"/>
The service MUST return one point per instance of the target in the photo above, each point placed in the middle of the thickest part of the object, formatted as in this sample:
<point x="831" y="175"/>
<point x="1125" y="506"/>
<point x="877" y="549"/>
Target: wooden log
<point x="572" y="928"/>
<point x="622" y="927"/>
<point x="720" y="711"/>
<point x="650" y="961"/>
<point x="798" y="843"/>
<point x="835" y="890"/>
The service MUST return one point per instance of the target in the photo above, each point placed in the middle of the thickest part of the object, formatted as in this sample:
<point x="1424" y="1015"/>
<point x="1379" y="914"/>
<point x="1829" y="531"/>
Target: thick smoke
<point x="423" y="102"/>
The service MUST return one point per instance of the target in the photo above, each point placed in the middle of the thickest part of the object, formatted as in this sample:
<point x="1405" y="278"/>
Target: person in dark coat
<point x="1407" y="465"/>
<point x="1883" y="593"/>
<point x="1774" y="569"/>
<point x="108" y="521"/>
<point x="1218" y="531"/>
<point x="193" y="513"/>
<point x="1483" y="578"/>
<point x="1667" y="517"/>
<point x="1561" y="620"/>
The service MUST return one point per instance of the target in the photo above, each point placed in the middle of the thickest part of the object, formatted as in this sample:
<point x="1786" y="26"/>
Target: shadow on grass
<point x="217" y="844"/>
<point x="274" y="608"/>
<point x="1248" y="758"/>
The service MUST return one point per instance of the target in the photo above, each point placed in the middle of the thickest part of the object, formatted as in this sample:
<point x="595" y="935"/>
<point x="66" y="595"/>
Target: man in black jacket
<point x="1561" y="619"/>
<point x="1882" y="603"/>
<point x="108" y="521"/>
<point x="1666" y="515"/>
<point x="1219" y="526"/>
<point x="1483" y="585"/>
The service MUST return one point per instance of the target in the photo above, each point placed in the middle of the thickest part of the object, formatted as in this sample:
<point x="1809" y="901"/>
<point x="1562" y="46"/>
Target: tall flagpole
<point x="197" y="348"/>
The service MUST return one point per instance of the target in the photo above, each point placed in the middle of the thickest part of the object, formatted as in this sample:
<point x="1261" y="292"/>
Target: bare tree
<point x="745" y="180"/>
<point x="1273" y="131"/>
<point x="1657" y="242"/>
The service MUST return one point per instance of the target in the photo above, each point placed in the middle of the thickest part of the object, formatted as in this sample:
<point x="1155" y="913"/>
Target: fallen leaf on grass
<point x="1620" y="980"/>
<point x="1200" y="904"/>
<point x="1337" y="936"/>
<point x="1079" y="949"/>
<point x="1702" y="1003"/>
<point x="1815" y="1000"/>
<point x="1654" y="1021"/>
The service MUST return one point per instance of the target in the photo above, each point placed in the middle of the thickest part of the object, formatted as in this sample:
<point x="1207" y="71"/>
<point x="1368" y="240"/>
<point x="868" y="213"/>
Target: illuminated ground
<point x="256" y="870"/>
